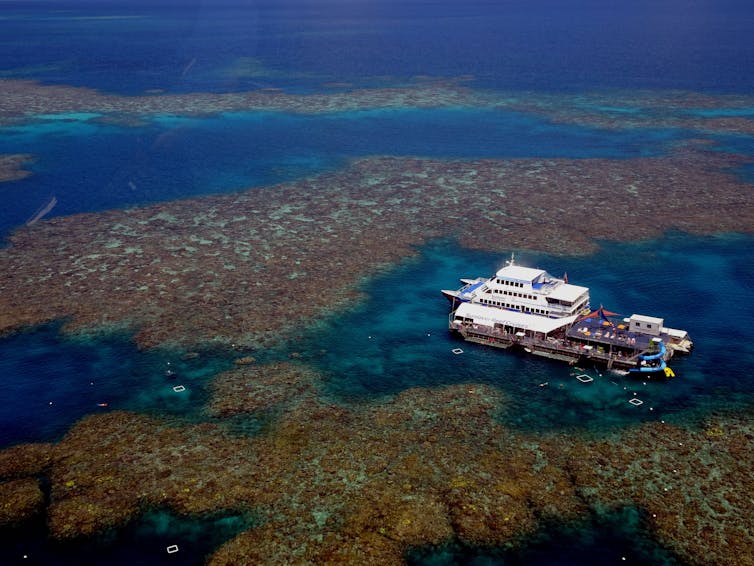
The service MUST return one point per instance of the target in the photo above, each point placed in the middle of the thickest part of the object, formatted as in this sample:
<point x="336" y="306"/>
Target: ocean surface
<point x="174" y="158"/>
<point x="397" y="337"/>
<point x="132" y="47"/>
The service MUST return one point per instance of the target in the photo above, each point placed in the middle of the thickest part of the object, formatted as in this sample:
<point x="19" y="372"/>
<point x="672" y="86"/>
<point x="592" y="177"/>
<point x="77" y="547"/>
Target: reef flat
<point x="365" y="483"/>
<point x="252" y="267"/>
<point x="618" y="109"/>
<point x="12" y="167"/>
<point x="22" y="100"/>
<point x="28" y="98"/>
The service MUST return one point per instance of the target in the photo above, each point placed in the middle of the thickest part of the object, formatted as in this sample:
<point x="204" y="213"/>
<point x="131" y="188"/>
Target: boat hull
<point x="454" y="297"/>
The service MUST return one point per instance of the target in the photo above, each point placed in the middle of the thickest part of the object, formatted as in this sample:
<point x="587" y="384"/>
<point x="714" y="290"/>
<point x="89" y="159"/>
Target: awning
<point x="601" y="313"/>
<point x="490" y="316"/>
<point x="568" y="293"/>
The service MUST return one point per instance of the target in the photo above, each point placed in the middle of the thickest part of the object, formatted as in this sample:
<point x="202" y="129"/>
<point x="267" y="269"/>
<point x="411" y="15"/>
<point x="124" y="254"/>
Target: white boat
<point x="525" y="290"/>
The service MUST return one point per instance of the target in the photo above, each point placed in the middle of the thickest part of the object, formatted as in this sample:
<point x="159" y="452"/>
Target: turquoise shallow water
<point x="398" y="339"/>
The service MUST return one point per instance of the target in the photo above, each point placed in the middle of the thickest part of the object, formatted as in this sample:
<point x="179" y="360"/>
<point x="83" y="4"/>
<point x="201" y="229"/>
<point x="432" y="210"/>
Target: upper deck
<point x="521" y="274"/>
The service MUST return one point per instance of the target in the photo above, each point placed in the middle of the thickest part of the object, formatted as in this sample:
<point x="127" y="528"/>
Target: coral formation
<point x="21" y="499"/>
<point x="695" y="487"/>
<point x="25" y="460"/>
<point x="12" y="166"/>
<point x="364" y="483"/>
<point x="252" y="267"/>
<point x="367" y="482"/>
<point x="256" y="388"/>
<point x="107" y="467"/>
<point x="693" y="111"/>
<point x="22" y="99"/>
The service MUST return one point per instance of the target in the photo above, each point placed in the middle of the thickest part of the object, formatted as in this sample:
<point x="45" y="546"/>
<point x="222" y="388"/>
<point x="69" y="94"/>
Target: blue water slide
<point x="652" y="357"/>
<point x="657" y="356"/>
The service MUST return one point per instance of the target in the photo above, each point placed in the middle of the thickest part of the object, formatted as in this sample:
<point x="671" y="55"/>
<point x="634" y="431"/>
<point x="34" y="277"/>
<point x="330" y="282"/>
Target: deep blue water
<point x="383" y="346"/>
<point x="52" y="380"/>
<point x="90" y="166"/>
<point x="301" y="44"/>
<point x="143" y="542"/>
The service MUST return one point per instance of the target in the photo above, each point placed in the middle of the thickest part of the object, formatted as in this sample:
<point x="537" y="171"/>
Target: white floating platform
<point x="179" y="388"/>
<point x="457" y="351"/>
<point x="636" y="402"/>
<point x="584" y="378"/>
<point x="172" y="549"/>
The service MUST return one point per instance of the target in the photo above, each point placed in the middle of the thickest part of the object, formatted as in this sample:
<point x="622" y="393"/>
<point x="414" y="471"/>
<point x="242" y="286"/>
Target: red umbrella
<point x="602" y="313"/>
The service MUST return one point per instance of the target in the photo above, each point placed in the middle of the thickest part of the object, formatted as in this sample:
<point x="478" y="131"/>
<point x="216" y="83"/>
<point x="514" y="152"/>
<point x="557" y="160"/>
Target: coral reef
<point x="333" y="483"/>
<point x="21" y="499"/>
<point x="12" y="166"/>
<point x="25" y="460"/>
<point x="256" y="388"/>
<point x="716" y="114"/>
<point x="22" y="99"/>
<point x="252" y="267"/>
<point x="365" y="483"/>
<point x="107" y="467"/>
<point x="695" y="487"/>
<point x="28" y="98"/>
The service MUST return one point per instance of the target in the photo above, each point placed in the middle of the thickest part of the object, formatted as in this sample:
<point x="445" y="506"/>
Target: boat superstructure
<point x="525" y="290"/>
<point x="544" y="315"/>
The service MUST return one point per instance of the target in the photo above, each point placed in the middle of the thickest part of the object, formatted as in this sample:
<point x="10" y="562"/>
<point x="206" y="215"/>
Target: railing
<point x="494" y="336"/>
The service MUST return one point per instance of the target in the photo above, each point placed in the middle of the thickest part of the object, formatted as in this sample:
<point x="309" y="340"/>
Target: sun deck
<point x="552" y="347"/>
<point x="606" y="334"/>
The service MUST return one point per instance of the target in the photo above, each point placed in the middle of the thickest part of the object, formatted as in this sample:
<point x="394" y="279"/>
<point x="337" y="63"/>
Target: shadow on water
<point x="616" y="537"/>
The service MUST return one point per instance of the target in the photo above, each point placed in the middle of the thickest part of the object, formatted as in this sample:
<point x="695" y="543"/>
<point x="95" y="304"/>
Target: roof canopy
<point x="601" y="313"/>
<point x="648" y="319"/>
<point x="568" y="292"/>
<point x="519" y="273"/>
<point x="489" y="316"/>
